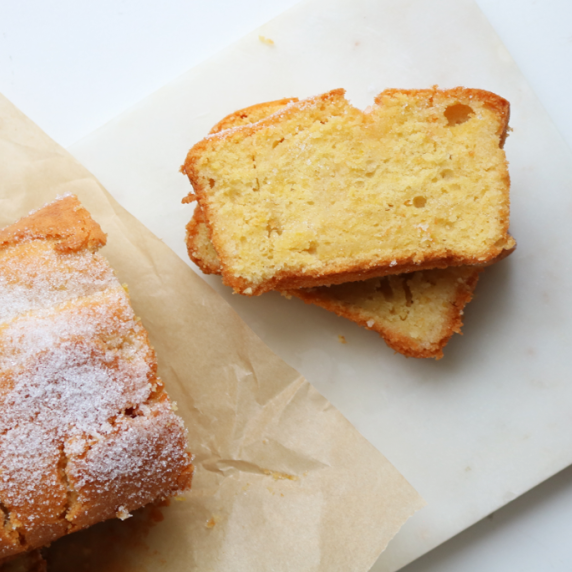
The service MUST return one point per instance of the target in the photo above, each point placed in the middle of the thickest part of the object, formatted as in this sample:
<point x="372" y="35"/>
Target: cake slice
<point x="252" y="114"/>
<point x="87" y="432"/>
<point x="416" y="314"/>
<point x="322" y="193"/>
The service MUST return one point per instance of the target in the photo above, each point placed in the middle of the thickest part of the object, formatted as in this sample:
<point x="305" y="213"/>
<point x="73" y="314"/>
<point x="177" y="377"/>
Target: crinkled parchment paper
<point x="282" y="481"/>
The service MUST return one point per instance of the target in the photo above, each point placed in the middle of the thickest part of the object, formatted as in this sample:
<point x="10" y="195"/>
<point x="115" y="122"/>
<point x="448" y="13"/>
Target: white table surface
<point x="72" y="66"/>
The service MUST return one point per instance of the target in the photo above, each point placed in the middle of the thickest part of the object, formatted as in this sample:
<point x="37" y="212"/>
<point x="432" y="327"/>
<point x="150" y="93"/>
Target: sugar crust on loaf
<point x="87" y="432"/>
<point x="321" y="193"/>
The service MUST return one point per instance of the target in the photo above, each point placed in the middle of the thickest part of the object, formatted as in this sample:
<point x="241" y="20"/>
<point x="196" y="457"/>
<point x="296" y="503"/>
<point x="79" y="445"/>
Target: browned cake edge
<point x="65" y="221"/>
<point x="251" y="114"/>
<point x="193" y="248"/>
<point x="354" y="273"/>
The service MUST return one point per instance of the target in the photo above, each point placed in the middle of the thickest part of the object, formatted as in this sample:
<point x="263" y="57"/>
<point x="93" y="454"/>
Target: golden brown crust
<point x="9" y="538"/>
<point x="335" y="274"/>
<point x="251" y="114"/>
<point x="283" y="281"/>
<point x="64" y="221"/>
<point x="207" y="265"/>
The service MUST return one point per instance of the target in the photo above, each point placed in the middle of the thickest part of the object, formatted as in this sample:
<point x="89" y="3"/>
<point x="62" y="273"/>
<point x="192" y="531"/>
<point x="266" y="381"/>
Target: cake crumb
<point x="266" y="40"/>
<point x="342" y="339"/>
<point x="122" y="513"/>
<point x="213" y="520"/>
<point x="277" y="475"/>
<point x="370" y="323"/>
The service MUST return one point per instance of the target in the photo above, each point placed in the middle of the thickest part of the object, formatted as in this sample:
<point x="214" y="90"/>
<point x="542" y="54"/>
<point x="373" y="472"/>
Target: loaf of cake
<point x="416" y="314"/>
<point x="322" y="193"/>
<point x="87" y="432"/>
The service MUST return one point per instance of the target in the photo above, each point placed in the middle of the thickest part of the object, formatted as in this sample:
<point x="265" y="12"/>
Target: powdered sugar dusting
<point x="74" y="388"/>
<point x="35" y="276"/>
<point x="110" y="467"/>
<point x="86" y="432"/>
<point x="65" y="384"/>
<point x="29" y="481"/>
<point x="123" y="513"/>
<point x="106" y="315"/>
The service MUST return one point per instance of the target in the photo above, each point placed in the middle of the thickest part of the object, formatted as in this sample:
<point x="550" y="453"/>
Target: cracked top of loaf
<point x="87" y="431"/>
<point x="321" y="193"/>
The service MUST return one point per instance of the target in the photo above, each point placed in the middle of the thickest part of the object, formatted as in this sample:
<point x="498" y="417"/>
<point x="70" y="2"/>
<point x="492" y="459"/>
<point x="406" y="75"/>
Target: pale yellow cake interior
<point x="419" y="306"/>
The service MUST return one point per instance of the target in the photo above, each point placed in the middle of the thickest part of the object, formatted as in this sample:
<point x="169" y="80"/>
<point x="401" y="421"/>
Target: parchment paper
<point x="283" y="481"/>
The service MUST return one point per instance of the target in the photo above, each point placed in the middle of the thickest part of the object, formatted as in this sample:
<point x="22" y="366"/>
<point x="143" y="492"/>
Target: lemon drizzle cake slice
<point x="321" y="193"/>
<point x="87" y="431"/>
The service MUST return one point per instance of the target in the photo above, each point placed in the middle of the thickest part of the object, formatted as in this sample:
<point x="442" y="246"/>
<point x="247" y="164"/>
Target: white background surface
<point x="73" y="66"/>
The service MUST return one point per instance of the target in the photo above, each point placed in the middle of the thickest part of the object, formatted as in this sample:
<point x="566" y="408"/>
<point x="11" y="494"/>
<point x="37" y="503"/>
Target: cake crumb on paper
<point x="277" y="476"/>
<point x="266" y="40"/>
